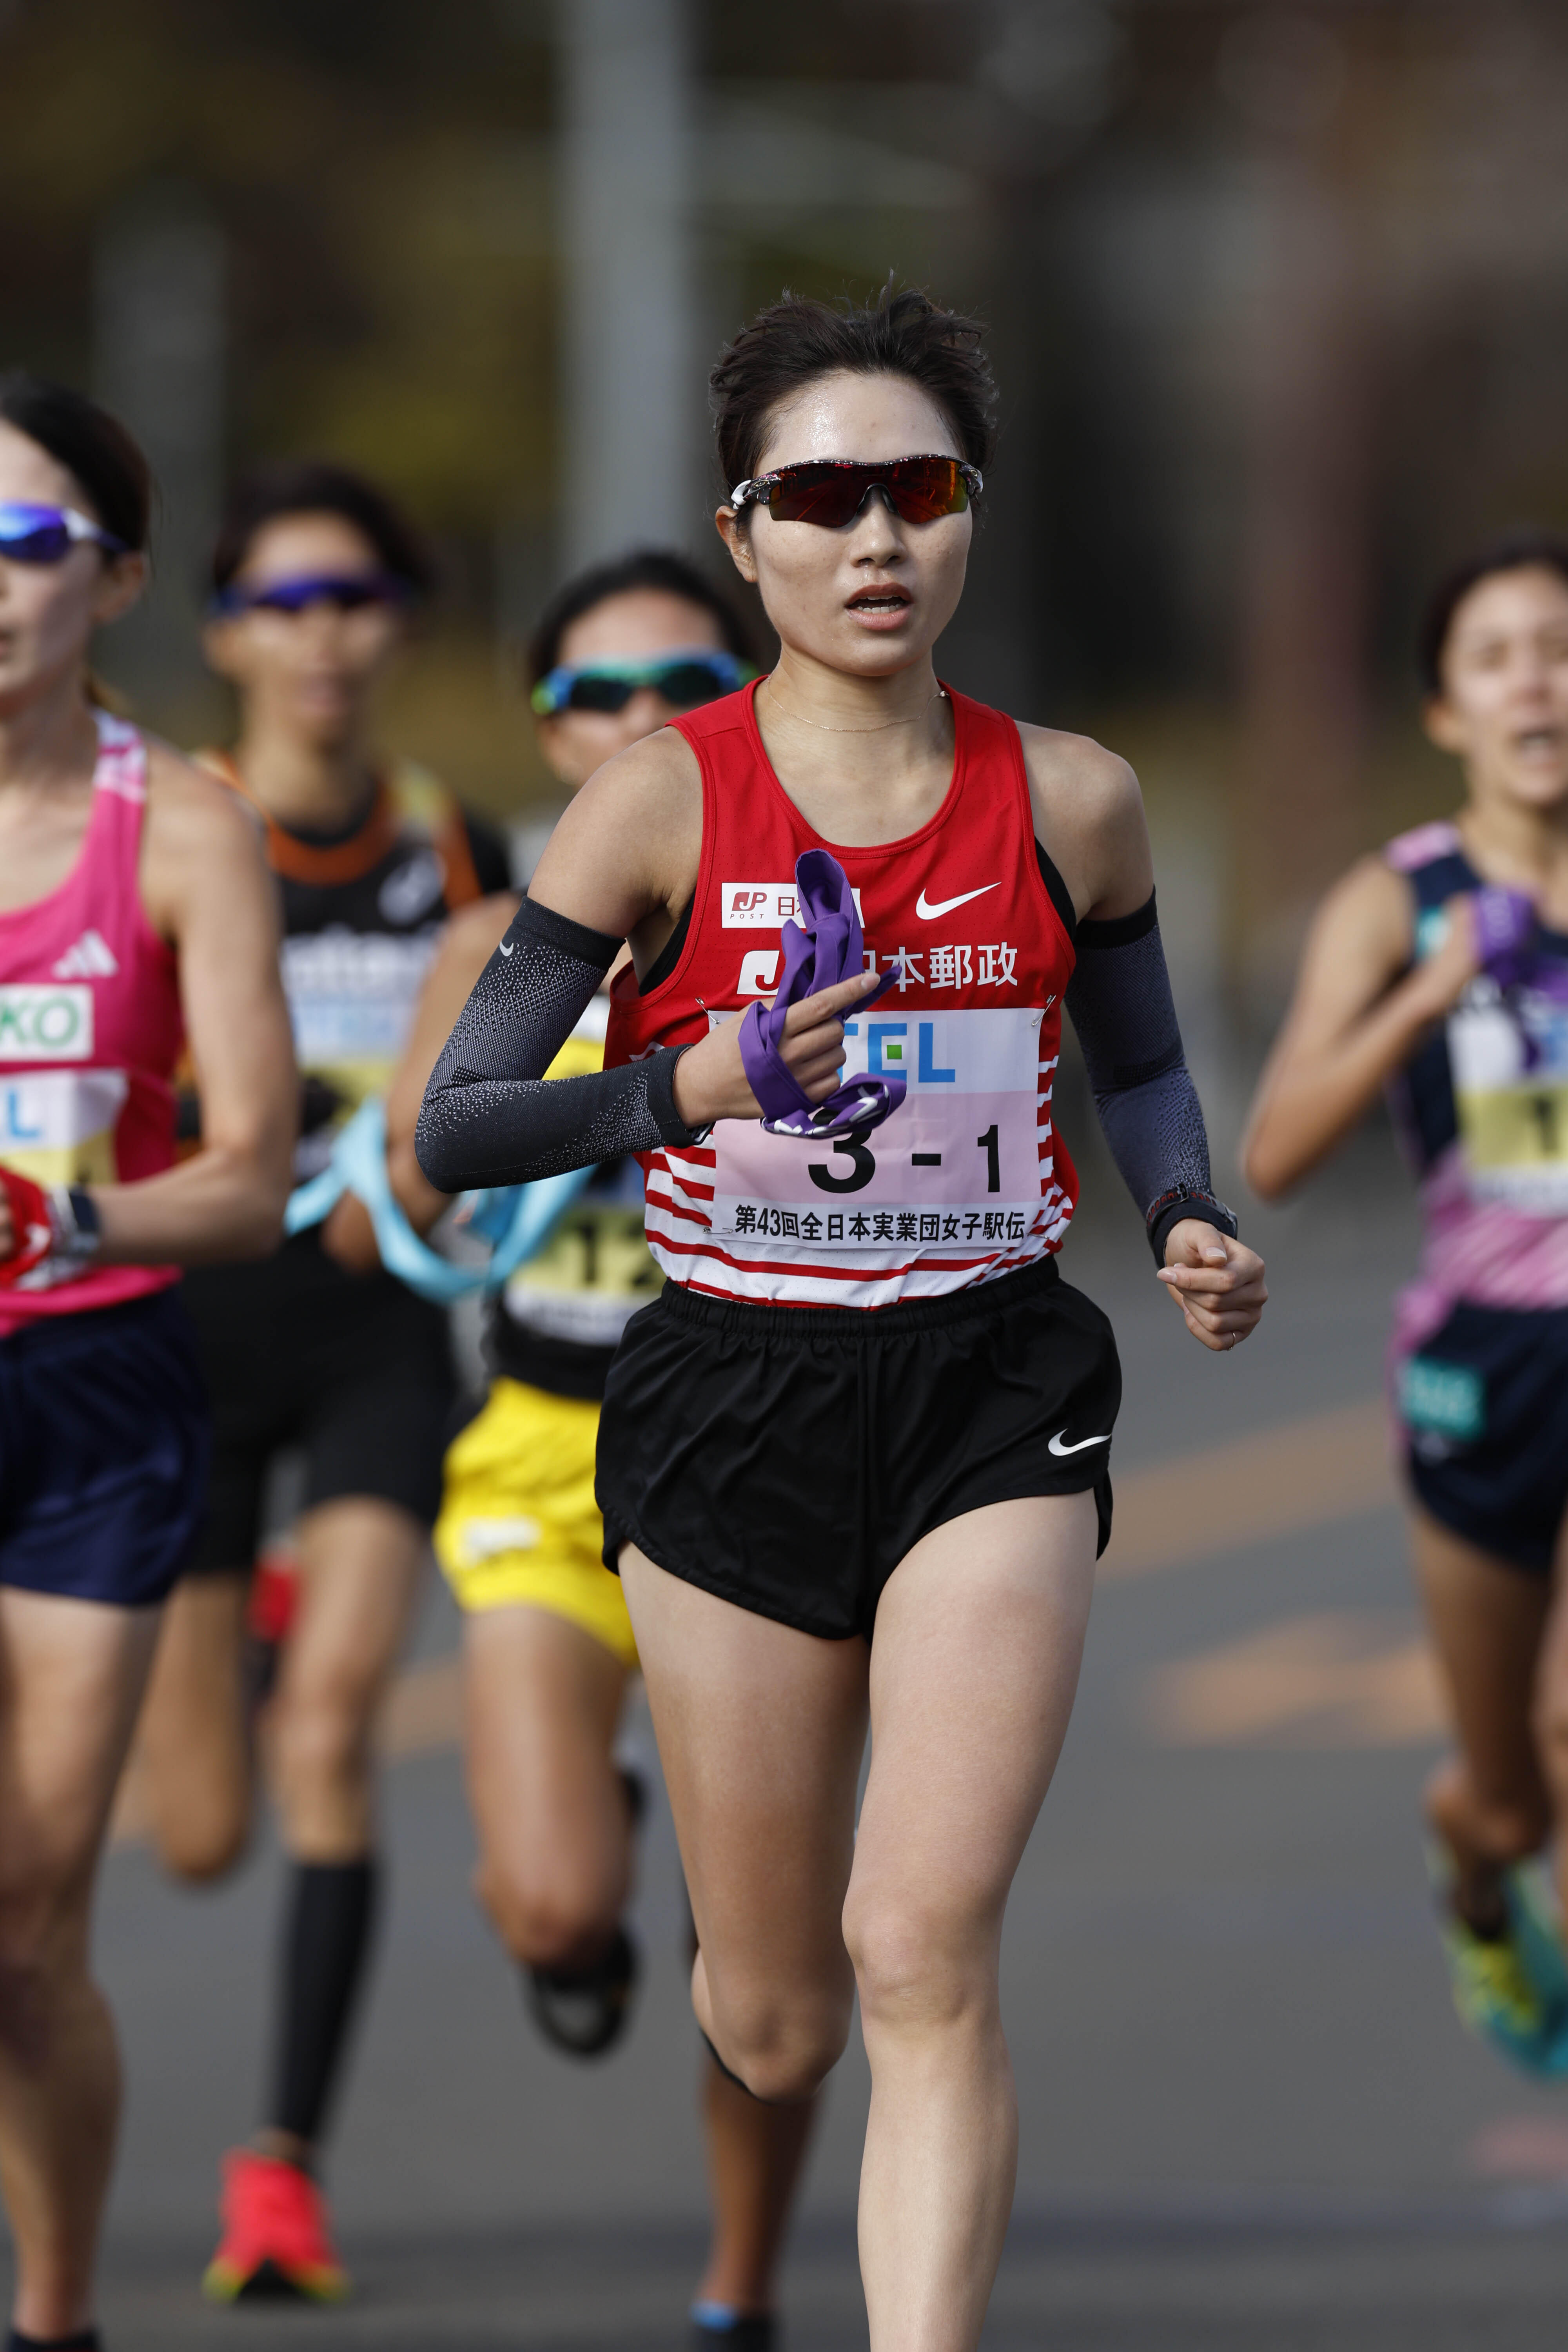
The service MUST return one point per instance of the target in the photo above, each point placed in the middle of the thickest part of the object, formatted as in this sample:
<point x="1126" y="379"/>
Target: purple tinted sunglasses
<point x="35" y="534"/>
<point x="349" y="592"/>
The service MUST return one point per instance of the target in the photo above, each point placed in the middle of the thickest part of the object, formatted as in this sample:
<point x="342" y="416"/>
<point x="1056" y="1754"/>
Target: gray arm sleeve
<point x="1120" y="1000"/>
<point x="489" y="1117"/>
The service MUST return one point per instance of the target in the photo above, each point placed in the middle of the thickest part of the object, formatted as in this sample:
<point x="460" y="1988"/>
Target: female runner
<point x="1439" y="968"/>
<point x="315" y="575"/>
<point x="547" y="1647"/>
<point x="135" y="911"/>
<point x="864" y="1398"/>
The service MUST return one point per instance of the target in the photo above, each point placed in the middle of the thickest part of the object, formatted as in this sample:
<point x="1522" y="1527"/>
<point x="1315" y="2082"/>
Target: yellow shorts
<point x="518" y="1524"/>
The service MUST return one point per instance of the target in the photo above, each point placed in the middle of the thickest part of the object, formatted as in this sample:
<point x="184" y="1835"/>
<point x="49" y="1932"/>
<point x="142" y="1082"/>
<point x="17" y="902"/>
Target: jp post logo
<point x="763" y="905"/>
<point x="43" y="1023"/>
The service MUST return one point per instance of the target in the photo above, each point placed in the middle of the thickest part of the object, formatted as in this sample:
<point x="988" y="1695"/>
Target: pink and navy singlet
<point x="968" y="1180"/>
<point x="1482" y="1107"/>
<point x="1479" y="1360"/>
<point x="90" y="1029"/>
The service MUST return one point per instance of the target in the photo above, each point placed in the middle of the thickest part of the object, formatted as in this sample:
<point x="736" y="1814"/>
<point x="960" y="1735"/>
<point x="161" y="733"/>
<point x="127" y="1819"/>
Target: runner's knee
<point x="548" y="1919"/>
<point x="782" y="2046"/>
<point x="917" y="1963"/>
<point x="1504" y="1825"/>
<point x="1550" y="1724"/>
<point x="323" y="1737"/>
<point x="43" y="1947"/>
<point x="203" y="1837"/>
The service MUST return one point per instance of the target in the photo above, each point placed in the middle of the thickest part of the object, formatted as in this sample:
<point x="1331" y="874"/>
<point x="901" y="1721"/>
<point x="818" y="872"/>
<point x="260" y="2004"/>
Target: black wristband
<point x="672" y="1127"/>
<point x="75" y="1223"/>
<point x="1171" y="1207"/>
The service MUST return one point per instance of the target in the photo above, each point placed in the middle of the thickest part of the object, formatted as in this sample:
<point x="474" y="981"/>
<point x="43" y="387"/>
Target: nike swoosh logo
<point x="504" y="949"/>
<point x="1057" y="1447"/>
<point x="928" y="913"/>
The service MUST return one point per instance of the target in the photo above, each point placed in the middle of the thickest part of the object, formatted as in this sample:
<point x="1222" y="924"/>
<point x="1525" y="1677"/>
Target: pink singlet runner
<point x="90" y="1029"/>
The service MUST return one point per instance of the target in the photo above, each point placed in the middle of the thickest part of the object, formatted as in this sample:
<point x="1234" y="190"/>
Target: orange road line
<point x="1301" y="1473"/>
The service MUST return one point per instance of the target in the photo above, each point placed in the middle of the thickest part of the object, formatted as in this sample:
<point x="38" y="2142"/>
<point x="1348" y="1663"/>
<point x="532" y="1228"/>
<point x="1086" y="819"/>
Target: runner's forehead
<point x="1506" y="605"/>
<point x="287" y="546"/>
<point x="30" y="475"/>
<point x="638" y="624"/>
<point x="863" y="417"/>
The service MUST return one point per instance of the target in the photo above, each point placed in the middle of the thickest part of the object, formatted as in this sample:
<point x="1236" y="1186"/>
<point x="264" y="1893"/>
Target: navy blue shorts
<point x="1484" y="1409"/>
<point x="103" y="1451"/>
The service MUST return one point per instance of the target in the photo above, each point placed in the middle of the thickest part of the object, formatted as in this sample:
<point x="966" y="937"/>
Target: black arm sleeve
<point x="489" y="1116"/>
<point x="1120" y="1000"/>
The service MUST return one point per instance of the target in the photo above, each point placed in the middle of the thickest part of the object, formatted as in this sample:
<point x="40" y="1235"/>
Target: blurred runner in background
<point x="135" y="912"/>
<point x="315" y="577"/>
<point x="1439" y="969"/>
<point x="547" y="1642"/>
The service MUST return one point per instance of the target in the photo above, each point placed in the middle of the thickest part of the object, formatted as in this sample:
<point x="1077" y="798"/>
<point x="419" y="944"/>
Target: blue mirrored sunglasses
<point x="684" y="679"/>
<point x="35" y="534"/>
<point x="350" y="591"/>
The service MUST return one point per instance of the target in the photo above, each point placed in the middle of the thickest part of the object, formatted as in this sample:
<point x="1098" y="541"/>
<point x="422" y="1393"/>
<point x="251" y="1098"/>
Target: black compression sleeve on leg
<point x="489" y="1116"/>
<point x="1121" y="1003"/>
<point x="326" y="1943"/>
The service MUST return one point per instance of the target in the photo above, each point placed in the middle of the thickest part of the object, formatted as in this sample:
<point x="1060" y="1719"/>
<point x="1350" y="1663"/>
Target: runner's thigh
<point x="760" y="1732"/>
<point x="974" y="1668"/>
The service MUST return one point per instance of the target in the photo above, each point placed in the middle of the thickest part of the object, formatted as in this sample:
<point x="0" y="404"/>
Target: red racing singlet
<point x="967" y="1178"/>
<point x="91" y="1029"/>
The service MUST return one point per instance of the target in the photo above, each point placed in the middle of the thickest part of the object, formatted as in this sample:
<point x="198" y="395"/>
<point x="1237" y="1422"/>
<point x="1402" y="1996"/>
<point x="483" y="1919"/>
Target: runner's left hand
<point x="1218" y="1283"/>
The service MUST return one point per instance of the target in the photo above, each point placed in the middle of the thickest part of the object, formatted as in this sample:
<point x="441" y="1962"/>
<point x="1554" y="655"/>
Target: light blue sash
<point x="515" y="1219"/>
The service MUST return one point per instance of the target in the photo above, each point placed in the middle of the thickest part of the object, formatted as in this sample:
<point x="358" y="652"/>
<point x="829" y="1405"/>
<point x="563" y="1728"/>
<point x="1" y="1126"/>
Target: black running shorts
<point x="354" y="1368"/>
<point x="786" y="1458"/>
<point x="1484" y="1412"/>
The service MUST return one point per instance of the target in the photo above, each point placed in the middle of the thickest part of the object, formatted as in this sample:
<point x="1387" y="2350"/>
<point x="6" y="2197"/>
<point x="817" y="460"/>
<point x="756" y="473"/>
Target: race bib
<point x="957" y="1164"/>
<point x="595" y="1270"/>
<point x="46" y="1022"/>
<point x="59" y="1127"/>
<point x="1509" y="1061"/>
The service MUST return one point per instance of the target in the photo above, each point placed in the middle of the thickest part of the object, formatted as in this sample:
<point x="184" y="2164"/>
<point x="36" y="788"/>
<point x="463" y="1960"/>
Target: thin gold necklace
<point x="880" y="729"/>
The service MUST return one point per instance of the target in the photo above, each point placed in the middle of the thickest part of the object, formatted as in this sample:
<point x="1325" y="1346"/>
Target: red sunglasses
<point x="832" y="490"/>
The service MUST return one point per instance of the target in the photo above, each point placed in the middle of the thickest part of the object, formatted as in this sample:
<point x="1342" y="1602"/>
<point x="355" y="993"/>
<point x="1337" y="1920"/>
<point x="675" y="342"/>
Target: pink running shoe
<point x="277" y="2236"/>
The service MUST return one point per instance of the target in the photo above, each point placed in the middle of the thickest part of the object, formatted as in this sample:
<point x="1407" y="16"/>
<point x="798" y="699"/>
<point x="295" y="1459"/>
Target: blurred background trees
<point x="1278" y="296"/>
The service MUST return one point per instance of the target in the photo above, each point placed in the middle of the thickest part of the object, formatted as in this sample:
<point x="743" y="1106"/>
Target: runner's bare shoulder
<point x="630" y="839"/>
<point x="199" y="833"/>
<point x="1089" y="811"/>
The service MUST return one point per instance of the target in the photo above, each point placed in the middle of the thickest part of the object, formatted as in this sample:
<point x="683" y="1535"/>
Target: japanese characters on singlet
<point x="91" y="1029"/>
<point x="967" y="1178"/>
<point x="361" y="916"/>
<point x="1483" y="1110"/>
<point x="557" y="1321"/>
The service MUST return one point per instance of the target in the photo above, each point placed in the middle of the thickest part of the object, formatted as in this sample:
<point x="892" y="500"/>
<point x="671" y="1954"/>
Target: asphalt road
<point x="1249" y="2118"/>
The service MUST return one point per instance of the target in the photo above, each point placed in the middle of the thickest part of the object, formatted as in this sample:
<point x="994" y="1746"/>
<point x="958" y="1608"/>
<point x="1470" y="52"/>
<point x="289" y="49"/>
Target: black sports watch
<point x="1171" y="1207"/>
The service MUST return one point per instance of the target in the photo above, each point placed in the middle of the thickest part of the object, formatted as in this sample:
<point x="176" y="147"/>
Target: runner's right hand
<point x="710" y="1078"/>
<point x="1444" y="975"/>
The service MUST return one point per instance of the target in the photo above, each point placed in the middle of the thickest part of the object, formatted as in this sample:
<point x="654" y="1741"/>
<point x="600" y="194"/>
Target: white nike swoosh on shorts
<point x="928" y="913"/>
<point x="1057" y="1447"/>
<point x="504" y="947"/>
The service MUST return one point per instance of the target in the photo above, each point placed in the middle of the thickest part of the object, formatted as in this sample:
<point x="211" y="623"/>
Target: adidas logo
<point x="91" y="957"/>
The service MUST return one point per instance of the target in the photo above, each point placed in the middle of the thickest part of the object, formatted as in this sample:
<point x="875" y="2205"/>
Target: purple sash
<point x="828" y="949"/>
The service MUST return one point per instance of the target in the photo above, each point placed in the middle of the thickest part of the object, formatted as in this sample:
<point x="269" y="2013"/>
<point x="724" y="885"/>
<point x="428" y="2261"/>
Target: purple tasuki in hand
<point x="1505" y="933"/>
<point x="828" y="949"/>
